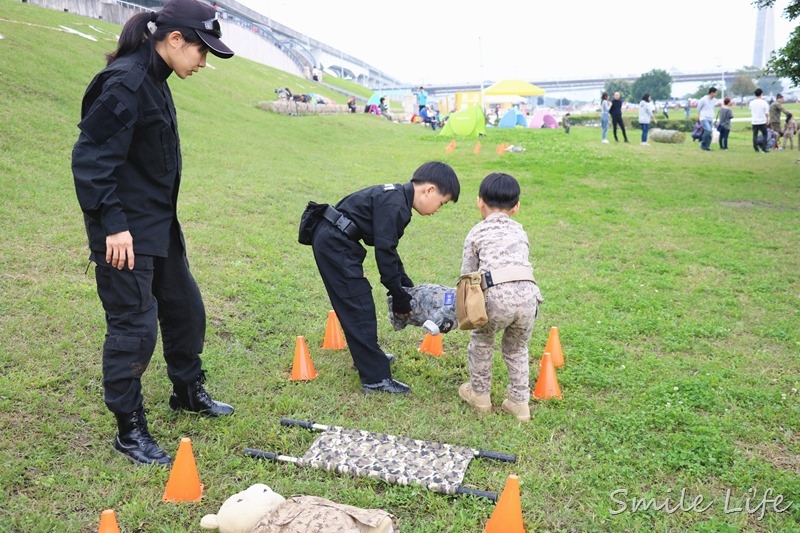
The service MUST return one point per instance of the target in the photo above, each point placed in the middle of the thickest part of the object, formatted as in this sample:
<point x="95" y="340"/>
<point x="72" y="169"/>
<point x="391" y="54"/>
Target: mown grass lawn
<point x="672" y="275"/>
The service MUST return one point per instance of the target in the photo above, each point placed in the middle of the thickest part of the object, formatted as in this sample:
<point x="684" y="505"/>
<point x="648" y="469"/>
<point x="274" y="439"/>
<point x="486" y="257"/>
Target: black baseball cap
<point x="200" y="17"/>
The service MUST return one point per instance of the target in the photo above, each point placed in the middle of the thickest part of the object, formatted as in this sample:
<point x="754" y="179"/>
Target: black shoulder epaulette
<point x="135" y="75"/>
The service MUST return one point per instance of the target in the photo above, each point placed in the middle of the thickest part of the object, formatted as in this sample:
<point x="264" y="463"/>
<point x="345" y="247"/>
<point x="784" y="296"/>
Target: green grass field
<point x="671" y="274"/>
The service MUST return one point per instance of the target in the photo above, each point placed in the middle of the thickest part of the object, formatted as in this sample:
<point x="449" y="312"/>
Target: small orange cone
<point x="500" y="148"/>
<point x="547" y="384"/>
<point x="450" y="147"/>
<point x="184" y="484"/>
<point x="507" y="515"/>
<point x="302" y="368"/>
<point x="432" y="344"/>
<point x="477" y="148"/>
<point x="554" y="347"/>
<point x="334" y="338"/>
<point x="108" y="522"/>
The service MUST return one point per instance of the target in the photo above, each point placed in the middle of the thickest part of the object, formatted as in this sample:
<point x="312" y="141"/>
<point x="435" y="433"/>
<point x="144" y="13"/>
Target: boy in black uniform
<point x="377" y="215"/>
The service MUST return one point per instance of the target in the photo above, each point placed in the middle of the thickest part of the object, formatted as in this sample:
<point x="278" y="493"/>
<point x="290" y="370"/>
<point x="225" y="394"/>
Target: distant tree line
<point x="658" y="83"/>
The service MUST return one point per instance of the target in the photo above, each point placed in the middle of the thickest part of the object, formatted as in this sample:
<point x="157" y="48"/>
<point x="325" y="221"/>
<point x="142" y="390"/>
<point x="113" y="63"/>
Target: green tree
<point x="656" y="82"/>
<point x="785" y="63"/>
<point x="742" y="85"/>
<point x="702" y="89"/>
<point x="770" y="85"/>
<point x="623" y="87"/>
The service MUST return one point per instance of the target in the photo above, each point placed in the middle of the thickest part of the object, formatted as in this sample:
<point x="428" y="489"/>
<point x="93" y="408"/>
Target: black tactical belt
<point x="344" y="224"/>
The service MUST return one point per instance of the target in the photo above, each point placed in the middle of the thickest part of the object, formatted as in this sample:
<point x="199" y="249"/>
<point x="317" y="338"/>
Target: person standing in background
<point x="605" y="106"/>
<point x="788" y="133"/>
<point x="759" y="110"/>
<point x="646" y="116"/>
<point x="422" y="98"/>
<point x="724" y="127"/>
<point x="616" y="116"/>
<point x="705" y="111"/>
<point x="775" y="110"/>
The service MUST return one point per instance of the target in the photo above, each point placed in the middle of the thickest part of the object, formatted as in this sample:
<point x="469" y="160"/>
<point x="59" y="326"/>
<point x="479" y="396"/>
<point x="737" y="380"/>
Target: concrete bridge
<point x="587" y="83"/>
<point x="259" y="38"/>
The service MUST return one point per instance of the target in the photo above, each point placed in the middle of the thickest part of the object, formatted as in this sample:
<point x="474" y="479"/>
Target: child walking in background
<point x="789" y="129"/>
<point x="499" y="246"/>
<point x="565" y="123"/>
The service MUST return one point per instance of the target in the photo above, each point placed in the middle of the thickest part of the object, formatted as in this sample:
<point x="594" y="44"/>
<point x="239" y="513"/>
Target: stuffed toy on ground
<point x="429" y="302"/>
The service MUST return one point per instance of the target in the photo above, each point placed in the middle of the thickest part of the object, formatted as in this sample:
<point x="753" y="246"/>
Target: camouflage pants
<point x="511" y="307"/>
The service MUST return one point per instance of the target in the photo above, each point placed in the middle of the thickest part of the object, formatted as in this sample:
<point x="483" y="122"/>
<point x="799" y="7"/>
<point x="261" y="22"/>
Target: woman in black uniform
<point x="127" y="169"/>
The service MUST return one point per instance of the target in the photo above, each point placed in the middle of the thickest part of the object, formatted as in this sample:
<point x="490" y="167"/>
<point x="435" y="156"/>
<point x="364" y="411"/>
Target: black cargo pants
<point x="340" y="262"/>
<point x="158" y="291"/>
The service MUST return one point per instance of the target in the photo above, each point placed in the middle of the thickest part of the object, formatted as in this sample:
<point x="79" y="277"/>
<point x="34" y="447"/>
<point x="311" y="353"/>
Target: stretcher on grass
<point x="397" y="460"/>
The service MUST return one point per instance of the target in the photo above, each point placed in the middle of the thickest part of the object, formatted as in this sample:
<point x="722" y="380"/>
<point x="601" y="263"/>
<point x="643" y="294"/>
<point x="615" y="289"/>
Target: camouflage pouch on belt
<point x="470" y="302"/>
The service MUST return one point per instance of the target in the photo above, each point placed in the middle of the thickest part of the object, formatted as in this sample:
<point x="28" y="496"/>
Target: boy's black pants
<point x="340" y="262"/>
<point x="158" y="291"/>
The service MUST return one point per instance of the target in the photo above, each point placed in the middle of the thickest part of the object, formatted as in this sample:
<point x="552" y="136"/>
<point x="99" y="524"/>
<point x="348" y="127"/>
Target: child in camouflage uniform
<point x="500" y="245"/>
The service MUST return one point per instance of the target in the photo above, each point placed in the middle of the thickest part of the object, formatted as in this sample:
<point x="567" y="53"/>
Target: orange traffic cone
<point x="507" y="515"/>
<point x="501" y="148"/>
<point x="302" y="368"/>
<point x="450" y="147"/>
<point x="432" y="344"/>
<point x="334" y="338"/>
<point x="477" y="148"/>
<point x="108" y="522"/>
<point x="183" y="484"/>
<point x="547" y="384"/>
<point x="554" y="347"/>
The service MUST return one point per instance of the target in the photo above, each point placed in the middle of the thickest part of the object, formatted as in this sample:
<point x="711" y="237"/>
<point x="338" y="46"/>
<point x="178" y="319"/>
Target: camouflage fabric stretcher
<point x="436" y="303"/>
<point x="397" y="460"/>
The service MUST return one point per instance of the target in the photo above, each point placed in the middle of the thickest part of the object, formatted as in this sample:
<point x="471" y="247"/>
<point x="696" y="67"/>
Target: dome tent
<point x="465" y="123"/>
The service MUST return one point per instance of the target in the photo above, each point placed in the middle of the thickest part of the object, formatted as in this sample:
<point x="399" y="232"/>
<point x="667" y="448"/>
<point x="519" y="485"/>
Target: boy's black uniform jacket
<point x="382" y="213"/>
<point x="127" y="160"/>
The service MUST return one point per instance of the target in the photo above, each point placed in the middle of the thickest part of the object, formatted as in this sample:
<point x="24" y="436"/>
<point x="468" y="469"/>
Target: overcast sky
<point x="454" y="41"/>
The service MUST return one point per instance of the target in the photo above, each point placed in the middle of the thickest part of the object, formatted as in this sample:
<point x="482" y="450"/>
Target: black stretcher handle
<point x="260" y="454"/>
<point x="498" y="456"/>
<point x="293" y="422"/>
<point x="479" y="493"/>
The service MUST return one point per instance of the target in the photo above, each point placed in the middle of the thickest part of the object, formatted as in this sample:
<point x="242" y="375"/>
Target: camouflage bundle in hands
<point x="432" y="306"/>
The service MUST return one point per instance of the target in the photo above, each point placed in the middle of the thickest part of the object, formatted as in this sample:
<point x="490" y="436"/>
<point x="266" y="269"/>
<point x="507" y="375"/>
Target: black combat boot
<point x="194" y="398"/>
<point x="135" y="442"/>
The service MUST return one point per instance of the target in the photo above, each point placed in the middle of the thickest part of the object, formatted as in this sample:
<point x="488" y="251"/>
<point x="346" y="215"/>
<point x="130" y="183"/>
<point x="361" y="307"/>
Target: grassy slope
<point x="671" y="274"/>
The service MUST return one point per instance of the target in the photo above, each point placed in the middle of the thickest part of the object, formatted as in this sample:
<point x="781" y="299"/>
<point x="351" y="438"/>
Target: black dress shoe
<point x="194" y="399"/>
<point x="387" y="385"/>
<point x="134" y="441"/>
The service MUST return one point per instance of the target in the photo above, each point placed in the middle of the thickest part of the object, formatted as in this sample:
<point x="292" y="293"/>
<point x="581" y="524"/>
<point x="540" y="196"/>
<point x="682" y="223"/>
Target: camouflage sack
<point x="304" y="514"/>
<point x="428" y="302"/>
<point x="470" y="302"/>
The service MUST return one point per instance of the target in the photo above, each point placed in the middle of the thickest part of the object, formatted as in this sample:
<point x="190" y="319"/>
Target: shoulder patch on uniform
<point x="389" y="187"/>
<point x="134" y="77"/>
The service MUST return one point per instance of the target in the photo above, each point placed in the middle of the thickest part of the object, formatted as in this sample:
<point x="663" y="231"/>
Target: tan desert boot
<point x="521" y="410"/>
<point x="480" y="402"/>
